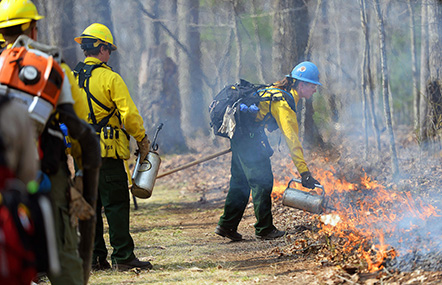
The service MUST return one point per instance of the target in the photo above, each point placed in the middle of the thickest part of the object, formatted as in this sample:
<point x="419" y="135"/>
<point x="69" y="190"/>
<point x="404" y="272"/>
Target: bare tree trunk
<point x="235" y="16"/>
<point x="424" y="74"/>
<point x="385" y="83"/>
<point x="259" y="57"/>
<point x="290" y="23"/>
<point x="194" y="111"/>
<point x="414" y="67"/>
<point x="162" y="101"/>
<point x="364" y="86"/>
<point x="308" y="50"/>
<point x="57" y="31"/>
<point x="308" y="129"/>
<point x="159" y="93"/>
<point x="170" y="13"/>
<point x="434" y="87"/>
<point x="367" y="77"/>
<point x="328" y="68"/>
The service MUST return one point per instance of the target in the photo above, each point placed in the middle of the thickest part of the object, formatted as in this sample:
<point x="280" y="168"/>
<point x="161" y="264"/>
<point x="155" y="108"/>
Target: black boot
<point x="134" y="263"/>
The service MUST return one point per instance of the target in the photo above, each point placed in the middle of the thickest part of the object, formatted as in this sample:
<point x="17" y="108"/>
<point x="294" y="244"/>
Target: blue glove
<point x="243" y="107"/>
<point x="253" y="109"/>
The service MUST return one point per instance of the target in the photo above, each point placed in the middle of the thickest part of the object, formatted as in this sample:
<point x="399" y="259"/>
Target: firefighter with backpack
<point x="115" y="118"/>
<point x="251" y="167"/>
<point x="38" y="79"/>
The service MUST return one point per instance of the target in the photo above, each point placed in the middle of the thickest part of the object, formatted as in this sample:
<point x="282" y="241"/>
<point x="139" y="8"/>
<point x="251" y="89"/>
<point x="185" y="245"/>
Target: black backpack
<point x="241" y="101"/>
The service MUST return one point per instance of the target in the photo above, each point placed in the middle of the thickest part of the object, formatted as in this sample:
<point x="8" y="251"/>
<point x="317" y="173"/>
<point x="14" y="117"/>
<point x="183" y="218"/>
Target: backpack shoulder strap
<point x="285" y="95"/>
<point x="84" y="73"/>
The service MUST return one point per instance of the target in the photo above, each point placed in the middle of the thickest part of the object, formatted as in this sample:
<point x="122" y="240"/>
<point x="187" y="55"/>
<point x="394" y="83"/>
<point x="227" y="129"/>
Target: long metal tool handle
<point x="209" y="157"/>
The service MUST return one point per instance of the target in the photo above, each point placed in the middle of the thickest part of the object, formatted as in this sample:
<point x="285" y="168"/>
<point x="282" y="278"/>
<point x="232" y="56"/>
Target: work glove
<point x="79" y="208"/>
<point x="308" y="181"/>
<point x="143" y="148"/>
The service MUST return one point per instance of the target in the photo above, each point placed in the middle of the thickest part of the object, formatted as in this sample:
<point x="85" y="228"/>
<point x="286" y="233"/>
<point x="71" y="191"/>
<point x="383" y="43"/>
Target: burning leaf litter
<point x="368" y="222"/>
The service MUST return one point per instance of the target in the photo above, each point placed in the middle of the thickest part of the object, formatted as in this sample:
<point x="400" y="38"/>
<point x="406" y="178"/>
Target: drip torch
<point x="145" y="174"/>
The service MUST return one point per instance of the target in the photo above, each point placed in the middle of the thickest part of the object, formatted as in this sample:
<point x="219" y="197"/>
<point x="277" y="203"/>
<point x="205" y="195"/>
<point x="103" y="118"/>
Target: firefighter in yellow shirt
<point x="114" y="116"/>
<point x="251" y="169"/>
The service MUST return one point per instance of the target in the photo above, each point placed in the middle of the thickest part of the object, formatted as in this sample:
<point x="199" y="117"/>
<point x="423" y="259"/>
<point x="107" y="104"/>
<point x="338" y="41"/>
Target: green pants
<point x="113" y="196"/>
<point x="250" y="170"/>
<point x="66" y="235"/>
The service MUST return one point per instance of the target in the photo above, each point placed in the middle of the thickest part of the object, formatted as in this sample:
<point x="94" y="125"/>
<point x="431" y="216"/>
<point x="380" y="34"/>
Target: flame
<point x="366" y="215"/>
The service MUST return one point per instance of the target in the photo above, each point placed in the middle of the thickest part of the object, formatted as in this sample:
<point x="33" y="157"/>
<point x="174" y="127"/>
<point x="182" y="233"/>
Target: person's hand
<point x="143" y="147"/>
<point x="79" y="208"/>
<point x="308" y="181"/>
<point x="78" y="181"/>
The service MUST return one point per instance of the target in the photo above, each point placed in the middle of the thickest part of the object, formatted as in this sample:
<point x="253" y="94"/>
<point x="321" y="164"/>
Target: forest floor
<point x="399" y="243"/>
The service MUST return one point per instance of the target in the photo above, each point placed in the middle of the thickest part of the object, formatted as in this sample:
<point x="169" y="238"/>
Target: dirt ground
<point x="303" y="256"/>
<point x="174" y="229"/>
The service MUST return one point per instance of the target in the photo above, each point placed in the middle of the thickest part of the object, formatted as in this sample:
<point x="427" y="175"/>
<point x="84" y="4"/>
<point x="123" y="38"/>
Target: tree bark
<point x="364" y="84"/>
<point x="194" y="110"/>
<point x="332" y="99"/>
<point x="385" y="83"/>
<point x="414" y="67"/>
<point x="162" y="101"/>
<point x="308" y="129"/>
<point x="290" y="23"/>
<point x="237" y="40"/>
<point x="424" y="74"/>
<point x="57" y="31"/>
<point x="258" y="52"/>
<point x="434" y="87"/>
<point x="367" y="84"/>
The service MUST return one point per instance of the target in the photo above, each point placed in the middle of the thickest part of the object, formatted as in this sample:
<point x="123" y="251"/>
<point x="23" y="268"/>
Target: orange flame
<point x="368" y="213"/>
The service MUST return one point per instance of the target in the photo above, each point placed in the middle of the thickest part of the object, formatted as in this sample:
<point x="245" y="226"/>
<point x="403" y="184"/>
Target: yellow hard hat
<point x="17" y="12"/>
<point x="98" y="32"/>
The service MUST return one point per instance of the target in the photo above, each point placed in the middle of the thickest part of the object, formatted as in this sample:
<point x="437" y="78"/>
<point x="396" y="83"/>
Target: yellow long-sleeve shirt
<point x="109" y="88"/>
<point x="287" y="122"/>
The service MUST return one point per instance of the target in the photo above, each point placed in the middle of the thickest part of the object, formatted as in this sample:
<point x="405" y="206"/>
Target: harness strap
<point x="84" y="73"/>
<point x="285" y="96"/>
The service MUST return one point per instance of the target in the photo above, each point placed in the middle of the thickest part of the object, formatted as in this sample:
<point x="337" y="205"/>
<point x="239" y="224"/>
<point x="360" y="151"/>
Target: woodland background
<point x="379" y="62"/>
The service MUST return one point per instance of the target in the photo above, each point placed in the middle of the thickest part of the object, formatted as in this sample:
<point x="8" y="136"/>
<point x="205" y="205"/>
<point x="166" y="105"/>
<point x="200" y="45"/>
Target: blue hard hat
<point x="306" y="71"/>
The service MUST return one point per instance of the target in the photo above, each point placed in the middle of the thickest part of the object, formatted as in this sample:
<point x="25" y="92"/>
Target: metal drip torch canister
<point x="304" y="200"/>
<point x="145" y="174"/>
